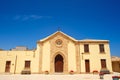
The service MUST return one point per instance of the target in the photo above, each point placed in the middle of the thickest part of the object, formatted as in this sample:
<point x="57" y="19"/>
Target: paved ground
<point x="54" y="77"/>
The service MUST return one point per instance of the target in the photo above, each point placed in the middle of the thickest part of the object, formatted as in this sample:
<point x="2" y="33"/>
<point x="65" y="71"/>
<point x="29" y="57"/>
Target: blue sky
<point x="24" y="22"/>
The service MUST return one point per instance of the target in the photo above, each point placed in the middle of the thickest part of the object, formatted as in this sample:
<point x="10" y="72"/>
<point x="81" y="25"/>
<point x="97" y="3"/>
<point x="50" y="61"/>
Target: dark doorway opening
<point x="87" y="66"/>
<point x="7" y="67"/>
<point x="59" y="63"/>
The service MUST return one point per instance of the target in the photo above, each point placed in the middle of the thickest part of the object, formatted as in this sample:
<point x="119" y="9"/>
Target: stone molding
<point x="55" y="50"/>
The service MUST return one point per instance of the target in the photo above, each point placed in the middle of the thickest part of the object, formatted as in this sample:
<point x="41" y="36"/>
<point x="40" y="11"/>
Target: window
<point x="103" y="63"/>
<point x="86" y="48"/>
<point x="101" y="47"/>
<point x="27" y="64"/>
<point x="58" y="42"/>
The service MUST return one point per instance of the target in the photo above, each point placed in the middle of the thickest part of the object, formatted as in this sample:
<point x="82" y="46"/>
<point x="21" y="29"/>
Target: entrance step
<point x="59" y="73"/>
<point x="54" y="77"/>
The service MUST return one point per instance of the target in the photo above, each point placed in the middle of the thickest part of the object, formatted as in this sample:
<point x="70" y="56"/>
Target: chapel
<point x="58" y="53"/>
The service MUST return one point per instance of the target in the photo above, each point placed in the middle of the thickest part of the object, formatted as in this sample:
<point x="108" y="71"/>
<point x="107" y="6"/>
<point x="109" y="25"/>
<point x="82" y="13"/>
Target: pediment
<point x="58" y="33"/>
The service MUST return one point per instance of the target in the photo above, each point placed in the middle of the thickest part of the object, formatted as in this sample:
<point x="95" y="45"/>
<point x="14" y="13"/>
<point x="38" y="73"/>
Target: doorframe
<point x="52" y="60"/>
<point x="62" y="63"/>
<point x="87" y="66"/>
<point x="7" y="66"/>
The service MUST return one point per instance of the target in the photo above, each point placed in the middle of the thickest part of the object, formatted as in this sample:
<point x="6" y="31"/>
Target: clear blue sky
<point x="24" y="22"/>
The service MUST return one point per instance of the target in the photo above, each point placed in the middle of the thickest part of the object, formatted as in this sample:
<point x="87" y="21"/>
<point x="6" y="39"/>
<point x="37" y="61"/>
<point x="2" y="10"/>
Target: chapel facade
<point x="58" y="53"/>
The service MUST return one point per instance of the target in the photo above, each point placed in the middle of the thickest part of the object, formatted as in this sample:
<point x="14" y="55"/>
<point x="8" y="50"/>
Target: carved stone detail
<point x="59" y="49"/>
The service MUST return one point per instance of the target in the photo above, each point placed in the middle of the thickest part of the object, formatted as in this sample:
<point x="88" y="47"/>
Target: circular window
<point x="58" y="42"/>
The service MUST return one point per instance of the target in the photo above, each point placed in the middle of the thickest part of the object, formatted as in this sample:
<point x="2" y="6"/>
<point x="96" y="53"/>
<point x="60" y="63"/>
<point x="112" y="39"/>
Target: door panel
<point x="59" y="63"/>
<point x="87" y="65"/>
<point x="59" y="66"/>
<point x="7" y="68"/>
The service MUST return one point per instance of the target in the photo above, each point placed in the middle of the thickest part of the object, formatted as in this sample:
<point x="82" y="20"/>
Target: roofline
<point x="46" y="38"/>
<point x="74" y="40"/>
<point x="94" y="41"/>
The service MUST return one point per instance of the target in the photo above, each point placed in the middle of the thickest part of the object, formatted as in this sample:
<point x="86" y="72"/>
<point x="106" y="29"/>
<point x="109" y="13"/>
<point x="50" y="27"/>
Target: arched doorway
<point x="59" y="63"/>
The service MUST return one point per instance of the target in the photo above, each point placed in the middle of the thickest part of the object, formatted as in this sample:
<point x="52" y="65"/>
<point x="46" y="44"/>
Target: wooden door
<point x="58" y="63"/>
<point x="59" y="66"/>
<point x="7" y="68"/>
<point x="87" y="65"/>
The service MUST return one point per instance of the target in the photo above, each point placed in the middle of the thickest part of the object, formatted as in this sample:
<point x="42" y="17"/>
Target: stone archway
<point x="61" y="59"/>
<point x="58" y="63"/>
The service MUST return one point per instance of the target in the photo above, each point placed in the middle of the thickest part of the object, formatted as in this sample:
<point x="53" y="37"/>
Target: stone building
<point x="116" y="63"/>
<point x="58" y="53"/>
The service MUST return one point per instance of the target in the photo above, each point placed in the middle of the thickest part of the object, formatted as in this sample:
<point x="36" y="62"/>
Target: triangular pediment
<point x="58" y="33"/>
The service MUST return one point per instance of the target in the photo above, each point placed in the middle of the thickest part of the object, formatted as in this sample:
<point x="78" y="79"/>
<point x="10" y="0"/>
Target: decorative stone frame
<point x="59" y="49"/>
<point x="59" y="42"/>
<point x="52" y="62"/>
